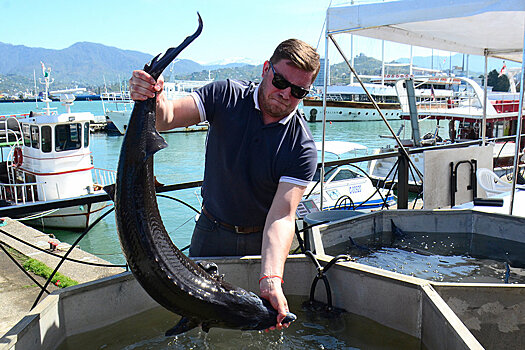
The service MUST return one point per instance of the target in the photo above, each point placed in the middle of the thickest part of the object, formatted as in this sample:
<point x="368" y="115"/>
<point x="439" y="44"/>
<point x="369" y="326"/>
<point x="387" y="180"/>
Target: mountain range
<point x="85" y="63"/>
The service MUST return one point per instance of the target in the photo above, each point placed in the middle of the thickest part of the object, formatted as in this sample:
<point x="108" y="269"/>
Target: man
<point x="260" y="156"/>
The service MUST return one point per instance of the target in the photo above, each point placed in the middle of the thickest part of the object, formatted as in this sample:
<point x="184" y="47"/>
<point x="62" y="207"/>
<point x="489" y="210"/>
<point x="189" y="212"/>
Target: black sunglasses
<point x="281" y="83"/>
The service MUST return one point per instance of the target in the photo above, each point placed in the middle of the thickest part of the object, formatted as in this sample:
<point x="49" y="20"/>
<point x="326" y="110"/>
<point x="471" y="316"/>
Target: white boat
<point x="119" y="105"/>
<point x="346" y="187"/>
<point x="49" y="159"/>
<point x="459" y="101"/>
<point x="350" y="103"/>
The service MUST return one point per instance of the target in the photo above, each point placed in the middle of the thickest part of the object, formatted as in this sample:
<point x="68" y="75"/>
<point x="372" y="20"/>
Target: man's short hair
<point x="302" y="55"/>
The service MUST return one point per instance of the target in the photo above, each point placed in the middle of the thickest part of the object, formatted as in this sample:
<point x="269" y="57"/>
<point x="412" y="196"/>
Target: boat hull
<point x="349" y="111"/>
<point x="120" y="119"/>
<point x="77" y="217"/>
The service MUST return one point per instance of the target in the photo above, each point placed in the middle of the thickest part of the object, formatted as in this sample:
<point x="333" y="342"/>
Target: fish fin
<point x="205" y="327"/>
<point x="209" y="267"/>
<point x="358" y="246"/>
<point x="155" y="143"/>
<point x="157" y="183"/>
<point x="184" y="325"/>
<point x="212" y="269"/>
<point x="396" y="230"/>
<point x="110" y="190"/>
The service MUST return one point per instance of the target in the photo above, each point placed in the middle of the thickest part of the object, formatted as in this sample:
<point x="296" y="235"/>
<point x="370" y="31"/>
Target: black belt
<point x="235" y="228"/>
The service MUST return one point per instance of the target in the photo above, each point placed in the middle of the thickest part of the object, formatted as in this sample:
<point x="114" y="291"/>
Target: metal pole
<point x="410" y="71"/>
<point x="450" y="63"/>
<point x="383" y="63"/>
<point x="325" y="88"/>
<point x="402" y="181"/>
<point x="485" y="100"/>
<point x="352" y="56"/>
<point x="518" y="132"/>
<point x="401" y="147"/>
<point x="468" y="73"/>
<point x="414" y="121"/>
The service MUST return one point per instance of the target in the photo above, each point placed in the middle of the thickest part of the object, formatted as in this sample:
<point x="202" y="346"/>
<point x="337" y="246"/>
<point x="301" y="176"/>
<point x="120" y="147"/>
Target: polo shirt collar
<point x="283" y="121"/>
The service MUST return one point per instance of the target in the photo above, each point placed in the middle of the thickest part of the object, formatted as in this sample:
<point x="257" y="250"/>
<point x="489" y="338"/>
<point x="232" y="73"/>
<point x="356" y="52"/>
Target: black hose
<point x="321" y="275"/>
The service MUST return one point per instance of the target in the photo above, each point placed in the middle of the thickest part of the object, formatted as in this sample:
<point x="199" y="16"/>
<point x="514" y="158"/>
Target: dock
<point x="17" y="291"/>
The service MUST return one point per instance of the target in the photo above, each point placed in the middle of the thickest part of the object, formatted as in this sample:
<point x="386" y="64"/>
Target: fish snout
<point x="289" y="318"/>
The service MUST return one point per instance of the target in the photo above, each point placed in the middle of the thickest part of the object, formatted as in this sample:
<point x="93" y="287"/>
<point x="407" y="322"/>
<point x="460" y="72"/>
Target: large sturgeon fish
<point x="168" y="276"/>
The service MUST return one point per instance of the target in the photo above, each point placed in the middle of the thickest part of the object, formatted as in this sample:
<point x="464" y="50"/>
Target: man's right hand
<point x="170" y="113"/>
<point x="142" y="85"/>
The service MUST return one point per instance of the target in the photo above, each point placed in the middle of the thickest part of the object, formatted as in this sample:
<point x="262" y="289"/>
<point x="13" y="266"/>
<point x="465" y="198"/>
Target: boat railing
<point x="463" y="99"/>
<point x="123" y="96"/>
<point x="119" y="101"/>
<point x="103" y="177"/>
<point x="22" y="193"/>
<point x="102" y="197"/>
<point x="11" y="130"/>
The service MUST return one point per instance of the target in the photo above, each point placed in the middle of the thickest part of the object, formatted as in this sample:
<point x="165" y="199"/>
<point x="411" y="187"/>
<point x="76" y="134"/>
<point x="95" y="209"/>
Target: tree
<point x="498" y="83"/>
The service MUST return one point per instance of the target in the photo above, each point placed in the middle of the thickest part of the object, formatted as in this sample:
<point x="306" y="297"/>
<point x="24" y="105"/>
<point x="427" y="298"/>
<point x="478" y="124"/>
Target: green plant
<point x="40" y="269"/>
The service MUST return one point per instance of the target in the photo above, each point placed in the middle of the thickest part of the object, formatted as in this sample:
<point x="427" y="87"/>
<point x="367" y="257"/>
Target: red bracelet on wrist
<point x="271" y="276"/>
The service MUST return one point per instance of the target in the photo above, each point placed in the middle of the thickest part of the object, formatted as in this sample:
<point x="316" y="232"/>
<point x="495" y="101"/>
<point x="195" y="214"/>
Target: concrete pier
<point x="17" y="291"/>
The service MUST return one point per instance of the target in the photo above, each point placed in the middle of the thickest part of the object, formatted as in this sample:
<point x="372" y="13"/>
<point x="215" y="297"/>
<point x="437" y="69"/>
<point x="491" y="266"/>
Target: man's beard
<point x="269" y="108"/>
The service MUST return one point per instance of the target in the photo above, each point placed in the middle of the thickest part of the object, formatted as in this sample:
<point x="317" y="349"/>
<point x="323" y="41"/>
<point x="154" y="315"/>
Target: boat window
<point x="27" y="135"/>
<point x="86" y="134"/>
<point x="327" y="173"/>
<point x="35" y="137"/>
<point x="344" y="174"/>
<point x="46" y="138"/>
<point x="67" y="137"/>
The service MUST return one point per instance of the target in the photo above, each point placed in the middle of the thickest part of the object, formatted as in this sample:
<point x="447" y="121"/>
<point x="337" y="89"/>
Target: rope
<point x="37" y="216"/>
<point x="22" y="268"/>
<point x="57" y="255"/>
<point x="67" y="253"/>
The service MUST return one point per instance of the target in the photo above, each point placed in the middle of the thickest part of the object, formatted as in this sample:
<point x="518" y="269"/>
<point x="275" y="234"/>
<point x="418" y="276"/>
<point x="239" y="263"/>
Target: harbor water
<point x="183" y="161"/>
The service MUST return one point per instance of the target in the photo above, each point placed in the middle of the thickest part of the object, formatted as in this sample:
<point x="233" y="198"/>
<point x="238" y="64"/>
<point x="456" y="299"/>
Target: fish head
<point x="262" y="315"/>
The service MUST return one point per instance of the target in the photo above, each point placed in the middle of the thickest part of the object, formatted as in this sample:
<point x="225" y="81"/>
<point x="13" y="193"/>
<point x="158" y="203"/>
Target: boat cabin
<point x="49" y="160"/>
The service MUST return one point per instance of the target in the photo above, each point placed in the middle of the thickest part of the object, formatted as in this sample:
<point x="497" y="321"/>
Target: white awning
<point x="464" y="26"/>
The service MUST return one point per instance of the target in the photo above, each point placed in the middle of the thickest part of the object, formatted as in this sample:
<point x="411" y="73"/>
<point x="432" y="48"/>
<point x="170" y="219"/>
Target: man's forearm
<point x="276" y="246"/>
<point x="176" y="113"/>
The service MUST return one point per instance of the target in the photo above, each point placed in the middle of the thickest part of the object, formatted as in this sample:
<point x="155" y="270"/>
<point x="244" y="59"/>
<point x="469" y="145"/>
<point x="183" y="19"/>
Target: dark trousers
<point x="211" y="239"/>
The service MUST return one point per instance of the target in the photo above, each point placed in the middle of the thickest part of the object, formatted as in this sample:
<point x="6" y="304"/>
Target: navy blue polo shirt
<point x="245" y="159"/>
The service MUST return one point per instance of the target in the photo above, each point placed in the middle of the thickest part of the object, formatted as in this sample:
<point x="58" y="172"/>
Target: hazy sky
<point x="233" y="29"/>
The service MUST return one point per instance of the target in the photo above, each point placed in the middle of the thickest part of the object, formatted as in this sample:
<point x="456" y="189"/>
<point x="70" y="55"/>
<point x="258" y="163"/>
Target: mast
<point x="36" y="92"/>
<point x="46" y="82"/>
